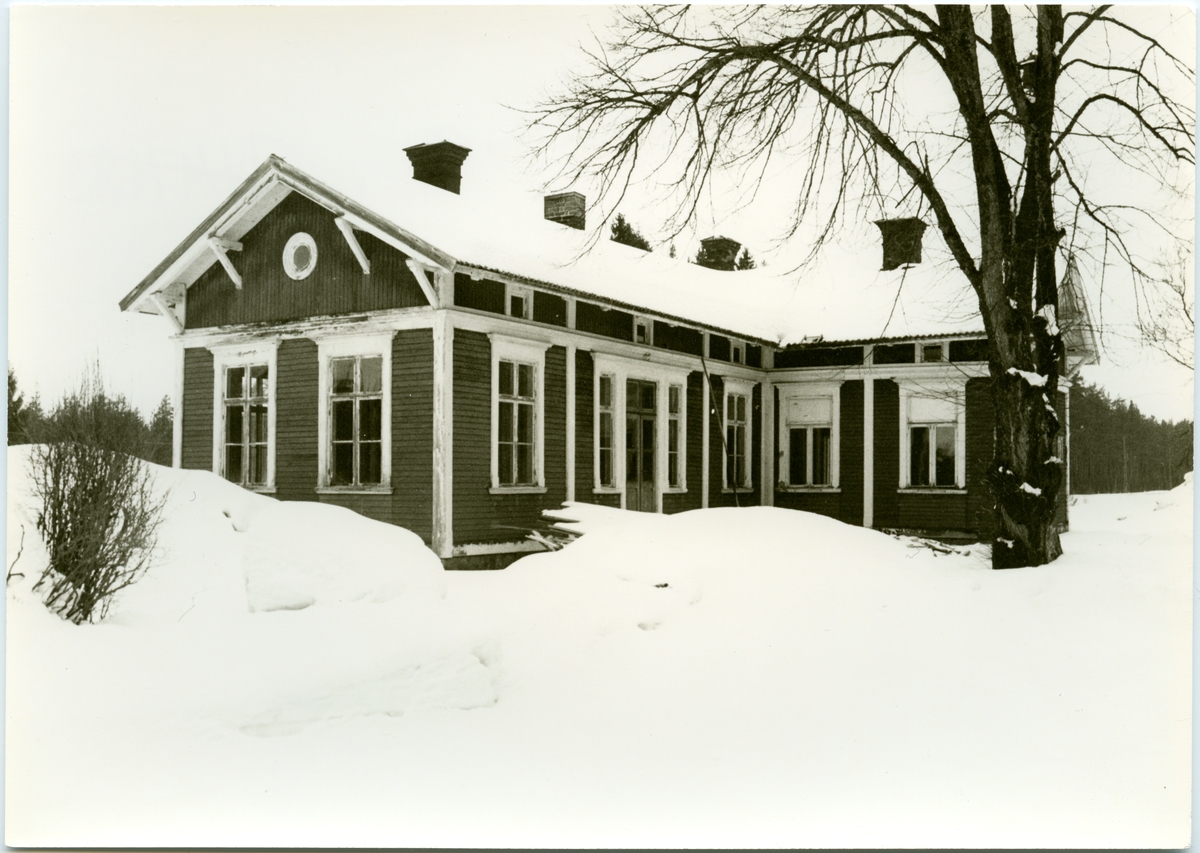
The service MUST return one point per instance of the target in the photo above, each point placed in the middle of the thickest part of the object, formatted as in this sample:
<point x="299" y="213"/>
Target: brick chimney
<point x="568" y="208"/>
<point x="439" y="164"/>
<point x="901" y="241"/>
<point x="718" y="253"/>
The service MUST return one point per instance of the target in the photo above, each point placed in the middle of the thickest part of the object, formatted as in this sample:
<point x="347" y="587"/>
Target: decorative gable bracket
<point x="347" y="230"/>
<point x="425" y="278"/>
<point x="221" y="247"/>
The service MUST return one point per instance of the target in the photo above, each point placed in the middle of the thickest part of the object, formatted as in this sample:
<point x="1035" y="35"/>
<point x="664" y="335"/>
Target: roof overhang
<point x="269" y="184"/>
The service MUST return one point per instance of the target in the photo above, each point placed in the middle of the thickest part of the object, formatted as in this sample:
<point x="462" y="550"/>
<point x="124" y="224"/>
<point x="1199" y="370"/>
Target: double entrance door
<point x="640" y="433"/>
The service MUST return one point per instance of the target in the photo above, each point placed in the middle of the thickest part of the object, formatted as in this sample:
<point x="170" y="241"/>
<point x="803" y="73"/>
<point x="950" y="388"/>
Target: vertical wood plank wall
<point x="197" y="414"/>
<point x="479" y="516"/>
<point x="337" y="284"/>
<point x="296" y="420"/>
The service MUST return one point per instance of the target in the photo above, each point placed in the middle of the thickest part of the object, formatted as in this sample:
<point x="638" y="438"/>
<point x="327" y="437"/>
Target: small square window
<point x="643" y="332"/>
<point x="931" y="353"/>
<point x="738" y="352"/>
<point x="520" y="302"/>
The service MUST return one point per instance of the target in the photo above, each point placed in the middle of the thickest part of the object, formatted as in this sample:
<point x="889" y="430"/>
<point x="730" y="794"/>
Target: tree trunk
<point x="1025" y="475"/>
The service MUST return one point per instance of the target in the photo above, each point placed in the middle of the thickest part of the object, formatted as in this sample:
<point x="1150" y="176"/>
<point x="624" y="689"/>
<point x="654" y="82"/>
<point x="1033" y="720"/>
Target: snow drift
<point x="728" y="677"/>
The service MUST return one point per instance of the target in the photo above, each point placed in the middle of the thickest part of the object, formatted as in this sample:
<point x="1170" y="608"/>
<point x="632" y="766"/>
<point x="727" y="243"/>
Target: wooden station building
<point x="461" y="373"/>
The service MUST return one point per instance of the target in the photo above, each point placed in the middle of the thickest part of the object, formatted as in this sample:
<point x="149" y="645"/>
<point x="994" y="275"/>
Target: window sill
<point x="354" y="490"/>
<point x="930" y="490"/>
<point x="675" y="490"/>
<point x="812" y="490"/>
<point x="606" y="490"/>
<point x="260" y="490"/>
<point x="517" y="490"/>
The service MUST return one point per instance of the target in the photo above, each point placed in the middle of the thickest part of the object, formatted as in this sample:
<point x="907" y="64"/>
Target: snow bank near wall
<point x="223" y="549"/>
<point x="301" y="554"/>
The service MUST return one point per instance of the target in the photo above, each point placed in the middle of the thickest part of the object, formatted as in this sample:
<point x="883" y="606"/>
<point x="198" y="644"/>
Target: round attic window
<point x="299" y="256"/>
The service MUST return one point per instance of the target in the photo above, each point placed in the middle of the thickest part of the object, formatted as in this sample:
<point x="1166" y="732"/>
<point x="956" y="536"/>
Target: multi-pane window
<point x="607" y="477"/>
<point x="356" y="420"/>
<point x="737" y="469"/>
<point x="934" y="424"/>
<point x="516" y="427"/>
<point x="674" y="435"/>
<point x="246" y="424"/>
<point x="810" y="454"/>
<point x="931" y="455"/>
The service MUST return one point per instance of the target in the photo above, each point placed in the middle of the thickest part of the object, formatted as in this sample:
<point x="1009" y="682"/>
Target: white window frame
<point x="599" y="486"/>
<point x="522" y="351"/>
<point x="746" y="389"/>
<point x="680" y="420"/>
<point x="343" y="346"/>
<point x="621" y="370"/>
<point x="952" y="391"/>
<point x="737" y="352"/>
<point x="244" y="354"/>
<point x="831" y="391"/>
<point x="649" y="326"/>
<point x="520" y="292"/>
<point x="939" y="344"/>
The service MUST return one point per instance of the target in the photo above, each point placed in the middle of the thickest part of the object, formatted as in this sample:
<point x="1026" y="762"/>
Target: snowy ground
<point x="295" y="675"/>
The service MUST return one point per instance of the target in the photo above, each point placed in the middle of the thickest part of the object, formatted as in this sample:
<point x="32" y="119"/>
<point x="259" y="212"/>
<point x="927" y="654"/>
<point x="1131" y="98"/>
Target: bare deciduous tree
<point x="992" y="120"/>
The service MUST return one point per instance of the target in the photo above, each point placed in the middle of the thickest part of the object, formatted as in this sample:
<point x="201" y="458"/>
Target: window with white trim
<point x="931" y="455"/>
<point x="520" y="302"/>
<point x="809" y="456"/>
<point x="675" y="436"/>
<point x="356" y="420"/>
<point x="933" y="427"/>
<point x="643" y="331"/>
<point x="605" y="471"/>
<point x="354" y="431"/>
<point x="518" y="409"/>
<point x="244" y="413"/>
<point x="518" y="404"/>
<point x="246" y="436"/>
<point x="737" y="417"/>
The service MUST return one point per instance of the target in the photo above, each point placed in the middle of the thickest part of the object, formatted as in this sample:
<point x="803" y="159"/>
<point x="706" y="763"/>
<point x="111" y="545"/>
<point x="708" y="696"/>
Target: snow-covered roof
<point x="843" y="297"/>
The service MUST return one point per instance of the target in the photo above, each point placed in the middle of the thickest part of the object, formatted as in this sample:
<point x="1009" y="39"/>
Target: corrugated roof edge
<point x="977" y="334"/>
<point x="617" y="303"/>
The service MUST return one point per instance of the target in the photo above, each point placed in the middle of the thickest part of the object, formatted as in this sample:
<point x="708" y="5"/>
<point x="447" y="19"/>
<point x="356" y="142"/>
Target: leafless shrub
<point x="98" y="511"/>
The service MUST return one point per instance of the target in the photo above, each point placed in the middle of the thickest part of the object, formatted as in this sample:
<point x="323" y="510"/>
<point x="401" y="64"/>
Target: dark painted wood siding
<point x="887" y="453"/>
<point x="549" y="309"/>
<point x="412" y="431"/>
<point x="933" y="512"/>
<point x="296" y="421"/>
<point x="197" y="451"/>
<point x="478" y="515"/>
<point x="980" y="439"/>
<point x="851" y="452"/>
<point x="337" y="284"/>
<point x="602" y="321"/>
<point x="482" y="295"/>
<point x="585" y="450"/>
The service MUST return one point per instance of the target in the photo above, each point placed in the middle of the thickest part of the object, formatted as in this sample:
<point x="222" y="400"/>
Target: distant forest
<point x="1115" y="448"/>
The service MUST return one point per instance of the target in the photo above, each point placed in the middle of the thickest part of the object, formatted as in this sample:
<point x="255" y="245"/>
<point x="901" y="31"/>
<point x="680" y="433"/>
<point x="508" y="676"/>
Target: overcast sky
<point x="129" y="125"/>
